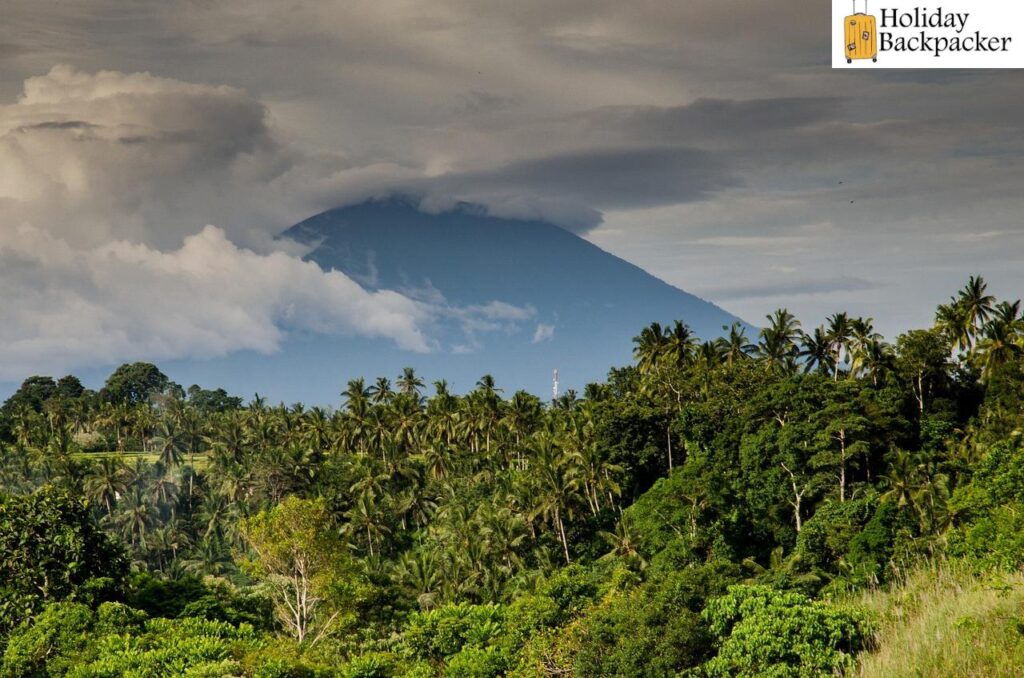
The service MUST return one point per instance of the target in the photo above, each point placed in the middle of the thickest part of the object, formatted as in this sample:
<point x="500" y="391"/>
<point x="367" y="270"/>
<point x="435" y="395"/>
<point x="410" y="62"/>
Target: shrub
<point x="47" y="644"/>
<point x="443" y="632"/>
<point x="370" y="665"/>
<point x="994" y="540"/>
<point x="50" y="547"/>
<point x="477" y="662"/>
<point x="765" y="632"/>
<point x="572" y="588"/>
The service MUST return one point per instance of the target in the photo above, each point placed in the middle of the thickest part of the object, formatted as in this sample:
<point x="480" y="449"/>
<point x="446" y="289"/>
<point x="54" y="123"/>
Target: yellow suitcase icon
<point x="861" y="35"/>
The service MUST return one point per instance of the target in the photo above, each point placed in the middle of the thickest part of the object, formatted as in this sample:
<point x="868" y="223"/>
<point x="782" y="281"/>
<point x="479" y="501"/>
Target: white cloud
<point x="106" y="179"/>
<point x="477" y="319"/>
<point x="67" y="306"/>
<point x="543" y="333"/>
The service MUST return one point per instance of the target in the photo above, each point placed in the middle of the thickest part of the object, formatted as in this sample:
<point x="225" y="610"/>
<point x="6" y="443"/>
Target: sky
<point x="150" y="152"/>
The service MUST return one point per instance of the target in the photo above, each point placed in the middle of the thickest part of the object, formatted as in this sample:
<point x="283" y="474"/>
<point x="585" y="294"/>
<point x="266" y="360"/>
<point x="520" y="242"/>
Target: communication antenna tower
<point x="554" y="386"/>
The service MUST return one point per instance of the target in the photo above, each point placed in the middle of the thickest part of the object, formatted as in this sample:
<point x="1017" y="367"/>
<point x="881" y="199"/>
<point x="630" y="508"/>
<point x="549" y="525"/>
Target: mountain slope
<point x="584" y="304"/>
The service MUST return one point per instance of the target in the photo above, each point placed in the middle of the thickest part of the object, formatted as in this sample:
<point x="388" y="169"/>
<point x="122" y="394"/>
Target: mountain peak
<point x="577" y="306"/>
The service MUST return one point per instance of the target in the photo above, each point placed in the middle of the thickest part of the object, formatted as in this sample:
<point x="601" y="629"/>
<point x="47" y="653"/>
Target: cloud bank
<point x="66" y="307"/>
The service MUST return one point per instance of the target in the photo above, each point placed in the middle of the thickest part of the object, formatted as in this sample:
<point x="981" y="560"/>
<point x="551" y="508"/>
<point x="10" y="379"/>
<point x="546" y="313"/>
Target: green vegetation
<point x="796" y="504"/>
<point x="947" y="620"/>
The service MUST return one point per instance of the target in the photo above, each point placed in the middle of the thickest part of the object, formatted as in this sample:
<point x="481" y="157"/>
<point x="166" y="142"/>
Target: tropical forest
<point x="804" y="499"/>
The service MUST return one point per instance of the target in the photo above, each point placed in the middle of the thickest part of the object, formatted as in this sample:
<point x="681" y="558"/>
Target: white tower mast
<point x="554" y="386"/>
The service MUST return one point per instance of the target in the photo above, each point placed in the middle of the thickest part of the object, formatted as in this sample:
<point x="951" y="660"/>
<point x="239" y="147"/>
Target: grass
<point x="130" y="456"/>
<point x="946" y="621"/>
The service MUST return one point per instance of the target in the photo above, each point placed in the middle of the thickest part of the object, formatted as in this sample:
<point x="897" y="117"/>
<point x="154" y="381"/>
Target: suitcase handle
<point x="855" y="7"/>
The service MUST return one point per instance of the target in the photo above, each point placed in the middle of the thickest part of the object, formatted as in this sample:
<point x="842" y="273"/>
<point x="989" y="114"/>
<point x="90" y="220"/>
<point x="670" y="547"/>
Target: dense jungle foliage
<point x="800" y="503"/>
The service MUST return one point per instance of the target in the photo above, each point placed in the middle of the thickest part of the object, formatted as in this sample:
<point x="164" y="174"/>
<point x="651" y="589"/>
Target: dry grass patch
<point x="947" y="621"/>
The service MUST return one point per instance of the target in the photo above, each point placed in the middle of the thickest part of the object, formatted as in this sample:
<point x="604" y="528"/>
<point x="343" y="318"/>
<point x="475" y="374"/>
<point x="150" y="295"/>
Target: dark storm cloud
<point x="716" y="117"/>
<point x="61" y="124"/>
<point x="608" y="179"/>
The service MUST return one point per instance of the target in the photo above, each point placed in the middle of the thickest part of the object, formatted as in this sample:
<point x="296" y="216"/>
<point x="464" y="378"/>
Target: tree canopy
<point x="721" y="506"/>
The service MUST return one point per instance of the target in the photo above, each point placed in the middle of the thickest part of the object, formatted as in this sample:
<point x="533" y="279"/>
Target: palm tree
<point x="951" y="321"/>
<point x="442" y="422"/>
<point x="441" y="389"/>
<point x="874" y="359"/>
<point x="409" y="384"/>
<point x="170" y="444"/>
<point x="595" y="392"/>
<point x="315" y="431"/>
<point x="365" y="517"/>
<point x="406" y="423"/>
<point x="523" y="414"/>
<point x="735" y="346"/>
<point x="566" y="401"/>
<point x="414" y="504"/>
<point x="191" y="427"/>
<point x="624" y="543"/>
<point x="356" y="395"/>
<point x="136" y="518"/>
<point x="777" y="347"/>
<point x="211" y="555"/>
<point x="381" y="392"/>
<point x="420" y="574"/>
<point x="175" y="538"/>
<point x="505" y="532"/>
<point x="816" y="351"/>
<point x="708" y="357"/>
<point x="138" y="472"/>
<point x="1001" y="338"/>
<point x="26" y="425"/>
<point x="163" y="491"/>
<point x="143" y="420"/>
<point x="596" y="473"/>
<point x="867" y="350"/>
<point x="218" y="518"/>
<point x="976" y="304"/>
<point x="651" y="347"/>
<point x="902" y="478"/>
<point x="862" y="331"/>
<point x="60" y="431"/>
<point x="556" y="488"/>
<point x="437" y="457"/>
<point x="484" y="412"/>
<point x="119" y="418"/>
<point x="228" y="438"/>
<point x="838" y="334"/>
<point x="680" y="344"/>
<point x="931" y="497"/>
<point x="107" y="481"/>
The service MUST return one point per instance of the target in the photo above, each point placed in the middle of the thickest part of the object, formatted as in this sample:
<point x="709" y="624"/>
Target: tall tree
<point x="134" y="383"/>
<point x="314" y="586"/>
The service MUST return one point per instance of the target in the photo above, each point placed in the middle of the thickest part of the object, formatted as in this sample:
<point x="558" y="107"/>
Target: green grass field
<point x="130" y="456"/>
